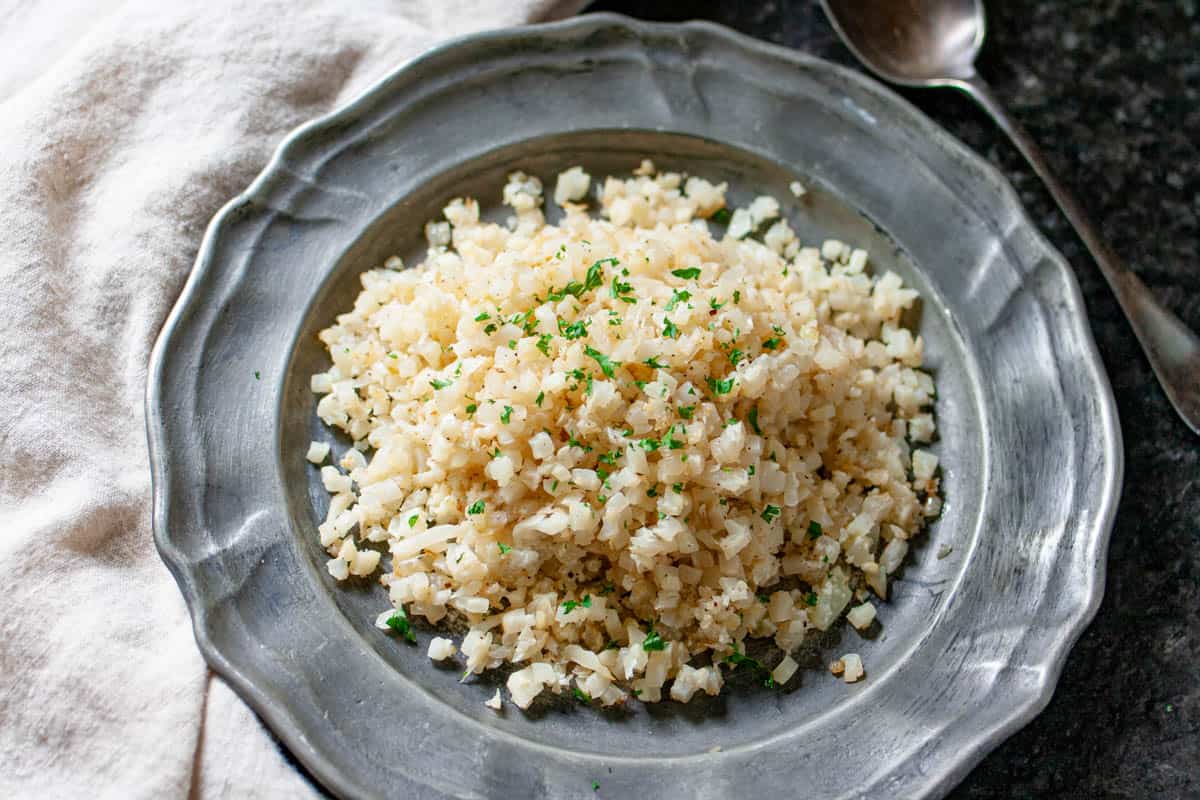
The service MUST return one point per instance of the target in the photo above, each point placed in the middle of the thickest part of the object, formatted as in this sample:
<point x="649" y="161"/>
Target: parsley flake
<point x="772" y="343"/>
<point x="669" y="329"/>
<point x="722" y="216"/>
<point x="506" y="414"/>
<point x="653" y="641"/>
<point x="720" y="387"/>
<point x="571" y="605"/>
<point x="752" y="418"/>
<point x="691" y="273"/>
<point x="399" y="623"/>
<point x="680" y="296"/>
<point x="814" y="530"/>
<point x="575" y="330"/>
<point x="607" y="365"/>
<point x="504" y="548"/>
<point x="654" y="363"/>
<point x="483" y="315"/>
<point x="412" y="521"/>
<point x="770" y="513"/>
<point x="543" y="343"/>
<point x="437" y="383"/>
<point x="686" y="411"/>
<point x="476" y="507"/>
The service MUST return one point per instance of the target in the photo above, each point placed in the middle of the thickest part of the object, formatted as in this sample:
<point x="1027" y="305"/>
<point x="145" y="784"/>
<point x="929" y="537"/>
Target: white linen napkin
<point x="124" y="126"/>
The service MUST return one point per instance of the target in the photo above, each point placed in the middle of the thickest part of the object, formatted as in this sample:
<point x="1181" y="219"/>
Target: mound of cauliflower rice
<point x="614" y="449"/>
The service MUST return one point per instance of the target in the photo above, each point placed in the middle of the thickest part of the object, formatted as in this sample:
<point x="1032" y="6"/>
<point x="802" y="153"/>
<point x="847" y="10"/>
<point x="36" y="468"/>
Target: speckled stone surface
<point x="1111" y="90"/>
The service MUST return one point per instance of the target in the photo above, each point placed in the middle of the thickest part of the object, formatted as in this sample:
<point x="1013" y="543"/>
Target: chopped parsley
<point x="649" y="445"/>
<point x="607" y="589"/>
<point x="735" y="356"/>
<point x="722" y="216"/>
<point x="582" y="697"/>
<point x="622" y="291"/>
<point x="680" y="296"/>
<point x="490" y="328"/>
<point x="671" y="442"/>
<point x="654" y="363"/>
<point x="737" y="659"/>
<point x="720" y="387"/>
<point x="399" y="623"/>
<point x="476" y="507"/>
<point x="669" y="329"/>
<point x="607" y="365"/>
<point x="504" y="548"/>
<point x="814" y="530"/>
<point x="772" y="343"/>
<point x="610" y="458"/>
<point x="575" y="330"/>
<point x="483" y="316"/>
<point x="677" y="488"/>
<point x="714" y="305"/>
<point x="737" y="297"/>
<point x="571" y="605"/>
<point x="512" y="344"/>
<point x="257" y="375"/>
<point x="543" y="343"/>
<point x="750" y="470"/>
<point x="770" y="513"/>
<point x="412" y="521"/>
<point x="573" y="442"/>
<point x="591" y="281"/>
<point x="686" y="411"/>
<point x="752" y="418"/>
<point x="506" y="414"/>
<point x="437" y="383"/>
<point x="652" y="491"/>
<point x="762" y="598"/>
<point x="595" y="786"/>
<point x="653" y="641"/>
<point x="541" y="396"/>
<point x="394" y="355"/>
<point x="811" y="598"/>
<point x="691" y="273"/>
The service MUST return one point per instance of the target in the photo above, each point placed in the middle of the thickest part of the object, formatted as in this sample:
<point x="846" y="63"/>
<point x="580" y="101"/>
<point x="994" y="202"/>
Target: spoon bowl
<point x="912" y="42"/>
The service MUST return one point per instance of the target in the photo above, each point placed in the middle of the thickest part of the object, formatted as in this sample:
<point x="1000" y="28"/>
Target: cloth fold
<point x="124" y="126"/>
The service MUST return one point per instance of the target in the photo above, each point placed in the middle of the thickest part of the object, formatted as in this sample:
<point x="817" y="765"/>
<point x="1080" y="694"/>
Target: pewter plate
<point x="971" y="644"/>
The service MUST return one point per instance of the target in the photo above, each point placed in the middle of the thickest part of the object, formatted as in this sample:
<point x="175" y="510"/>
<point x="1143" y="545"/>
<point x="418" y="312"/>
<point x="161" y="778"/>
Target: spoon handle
<point x="1172" y="349"/>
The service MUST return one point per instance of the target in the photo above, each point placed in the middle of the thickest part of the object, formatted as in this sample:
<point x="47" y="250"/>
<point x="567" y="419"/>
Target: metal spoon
<point x="924" y="43"/>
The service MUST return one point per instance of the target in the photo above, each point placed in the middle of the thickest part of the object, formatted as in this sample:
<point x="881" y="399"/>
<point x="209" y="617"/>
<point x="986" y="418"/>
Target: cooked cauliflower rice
<point x="615" y="449"/>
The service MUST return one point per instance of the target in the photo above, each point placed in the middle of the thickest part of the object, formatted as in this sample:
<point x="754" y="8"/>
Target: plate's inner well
<point x="745" y="711"/>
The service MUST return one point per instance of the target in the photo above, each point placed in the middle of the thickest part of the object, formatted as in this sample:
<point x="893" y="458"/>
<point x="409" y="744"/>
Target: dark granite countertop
<point x="1111" y="90"/>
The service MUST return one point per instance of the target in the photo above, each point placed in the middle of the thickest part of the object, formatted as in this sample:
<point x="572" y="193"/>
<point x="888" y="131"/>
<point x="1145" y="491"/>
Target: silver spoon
<point x="925" y="43"/>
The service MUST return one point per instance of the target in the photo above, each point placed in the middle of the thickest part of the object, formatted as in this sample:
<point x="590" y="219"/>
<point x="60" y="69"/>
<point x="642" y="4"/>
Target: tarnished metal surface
<point x="981" y="618"/>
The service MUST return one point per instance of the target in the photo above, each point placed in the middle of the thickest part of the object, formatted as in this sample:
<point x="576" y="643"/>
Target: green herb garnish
<point x="483" y="315"/>
<point x="772" y="343"/>
<point x="399" y="623"/>
<point x="571" y="605"/>
<point x="575" y="330"/>
<point x="752" y="418"/>
<point x="653" y="641"/>
<point x="504" y="548"/>
<point x="669" y="329"/>
<point x="607" y="365"/>
<point x="691" y="273"/>
<point x="476" y="507"/>
<point x="722" y="216"/>
<point x="770" y="513"/>
<point x="720" y="387"/>
<point x="814" y="530"/>
<point x="680" y="296"/>
<point x="437" y="383"/>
